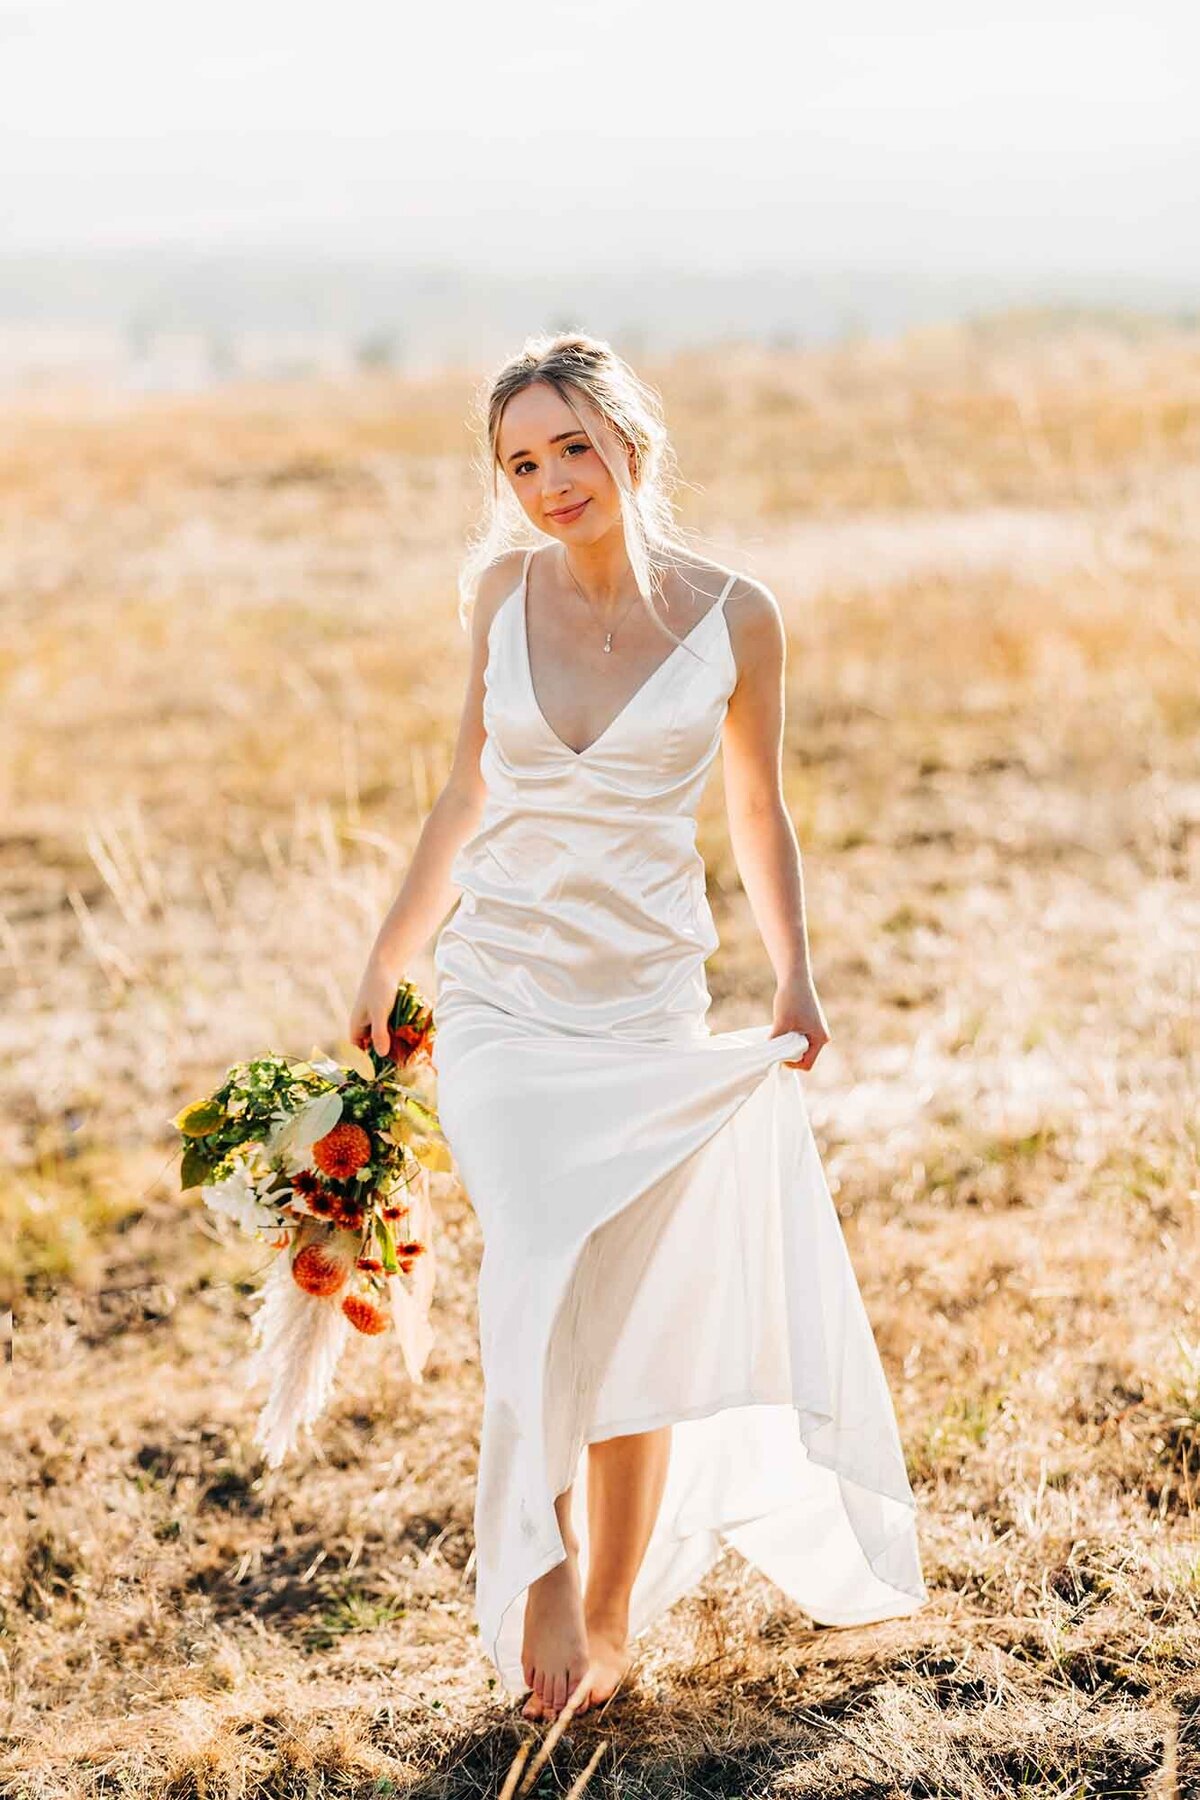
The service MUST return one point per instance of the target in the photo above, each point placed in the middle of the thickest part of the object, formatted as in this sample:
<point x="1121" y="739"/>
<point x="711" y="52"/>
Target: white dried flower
<point x="237" y="1198"/>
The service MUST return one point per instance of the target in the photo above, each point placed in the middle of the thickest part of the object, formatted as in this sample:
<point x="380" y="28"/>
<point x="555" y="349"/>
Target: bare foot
<point x="609" y="1660"/>
<point x="554" y="1654"/>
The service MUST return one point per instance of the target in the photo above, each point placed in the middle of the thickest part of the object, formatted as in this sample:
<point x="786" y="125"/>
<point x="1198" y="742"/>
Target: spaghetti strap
<point x="725" y="591"/>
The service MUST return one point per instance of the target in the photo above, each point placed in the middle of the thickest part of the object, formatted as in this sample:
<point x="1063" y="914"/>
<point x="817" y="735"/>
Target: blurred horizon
<point x="165" y="320"/>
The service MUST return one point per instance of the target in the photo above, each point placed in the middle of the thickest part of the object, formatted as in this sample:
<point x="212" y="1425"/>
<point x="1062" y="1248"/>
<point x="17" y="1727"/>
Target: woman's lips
<point x="572" y="512"/>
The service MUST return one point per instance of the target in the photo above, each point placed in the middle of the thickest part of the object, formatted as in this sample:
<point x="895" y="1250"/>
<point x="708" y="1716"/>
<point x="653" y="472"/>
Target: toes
<point x="606" y="1679"/>
<point x="551" y="1693"/>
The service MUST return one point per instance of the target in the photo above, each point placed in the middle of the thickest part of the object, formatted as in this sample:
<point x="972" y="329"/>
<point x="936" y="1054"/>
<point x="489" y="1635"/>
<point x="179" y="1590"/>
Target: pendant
<point x="608" y="643"/>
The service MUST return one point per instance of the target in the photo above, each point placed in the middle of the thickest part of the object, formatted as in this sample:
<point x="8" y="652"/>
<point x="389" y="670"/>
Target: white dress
<point x="660" y="1245"/>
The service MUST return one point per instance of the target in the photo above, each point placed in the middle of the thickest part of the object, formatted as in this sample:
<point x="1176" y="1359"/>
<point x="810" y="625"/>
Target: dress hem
<point x="915" y="1596"/>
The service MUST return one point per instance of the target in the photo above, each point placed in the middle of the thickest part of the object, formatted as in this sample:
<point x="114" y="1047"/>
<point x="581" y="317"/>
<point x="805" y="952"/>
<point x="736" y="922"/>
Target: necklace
<point x="608" y="636"/>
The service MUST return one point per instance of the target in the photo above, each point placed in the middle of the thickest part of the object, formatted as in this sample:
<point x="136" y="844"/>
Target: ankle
<point x="608" y="1619"/>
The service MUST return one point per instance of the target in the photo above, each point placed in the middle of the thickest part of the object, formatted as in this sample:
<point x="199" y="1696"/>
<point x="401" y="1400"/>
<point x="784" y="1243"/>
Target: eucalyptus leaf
<point x="299" y="1133"/>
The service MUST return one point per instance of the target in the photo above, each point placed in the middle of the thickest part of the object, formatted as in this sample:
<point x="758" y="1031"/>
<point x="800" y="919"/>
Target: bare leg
<point x="554" y="1653"/>
<point x="626" y="1477"/>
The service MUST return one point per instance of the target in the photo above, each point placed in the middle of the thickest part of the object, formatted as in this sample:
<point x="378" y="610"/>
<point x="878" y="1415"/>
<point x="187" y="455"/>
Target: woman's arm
<point x="427" y="893"/>
<point x="760" y="828"/>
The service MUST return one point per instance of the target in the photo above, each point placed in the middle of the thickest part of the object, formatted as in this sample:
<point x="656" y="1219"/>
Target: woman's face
<point x="554" y="469"/>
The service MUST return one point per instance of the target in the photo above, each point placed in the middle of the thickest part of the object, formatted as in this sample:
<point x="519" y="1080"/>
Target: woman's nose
<point x="556" y="476"/>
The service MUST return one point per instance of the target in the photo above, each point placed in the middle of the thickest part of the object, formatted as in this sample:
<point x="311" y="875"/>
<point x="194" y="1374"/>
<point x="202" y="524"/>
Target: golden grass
<point x="231" y="672"/>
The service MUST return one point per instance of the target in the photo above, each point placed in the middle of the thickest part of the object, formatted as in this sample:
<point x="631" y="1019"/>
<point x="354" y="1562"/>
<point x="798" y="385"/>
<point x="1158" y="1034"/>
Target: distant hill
<point x="177" y="319"/>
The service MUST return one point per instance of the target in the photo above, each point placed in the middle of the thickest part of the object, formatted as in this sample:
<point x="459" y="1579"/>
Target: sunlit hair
<point x="602" y="391"/>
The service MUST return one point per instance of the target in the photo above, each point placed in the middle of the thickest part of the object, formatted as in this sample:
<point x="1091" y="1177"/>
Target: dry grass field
<point x="230" y="673"/>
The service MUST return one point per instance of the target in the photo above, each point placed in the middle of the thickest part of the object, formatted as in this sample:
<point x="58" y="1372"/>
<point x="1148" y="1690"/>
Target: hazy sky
<point x="944" y="136"/>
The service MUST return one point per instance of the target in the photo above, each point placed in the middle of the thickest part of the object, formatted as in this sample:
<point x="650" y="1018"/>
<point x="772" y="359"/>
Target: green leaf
<point x="387" y="1246"/>
<point x="194" y="1167"/>
<point x="198" y="1119"/>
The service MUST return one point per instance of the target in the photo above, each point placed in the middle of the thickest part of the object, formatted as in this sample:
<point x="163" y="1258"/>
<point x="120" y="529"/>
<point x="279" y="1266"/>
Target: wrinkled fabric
<point x="660" y="1244"/>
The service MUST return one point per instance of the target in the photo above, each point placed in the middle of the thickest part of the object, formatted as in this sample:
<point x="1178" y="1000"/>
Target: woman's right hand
<point x="372" y="1007"/>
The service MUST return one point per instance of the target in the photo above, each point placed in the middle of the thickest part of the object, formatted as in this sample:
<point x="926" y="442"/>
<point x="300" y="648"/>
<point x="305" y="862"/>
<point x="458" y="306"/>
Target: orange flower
<point x="364" y="1315"/>
<point x="317" y="1271"/>
<point x="409" y="1041"/>
<point x="319" y="1198"/>
<point x="343" y="1151"/>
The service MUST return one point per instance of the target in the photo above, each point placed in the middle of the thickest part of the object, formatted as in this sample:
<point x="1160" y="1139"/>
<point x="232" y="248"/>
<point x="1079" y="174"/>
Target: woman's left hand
<point x="797" y="1008"/>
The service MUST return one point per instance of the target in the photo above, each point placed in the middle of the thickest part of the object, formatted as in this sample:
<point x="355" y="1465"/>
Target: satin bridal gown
<point x="660" y="1246"/>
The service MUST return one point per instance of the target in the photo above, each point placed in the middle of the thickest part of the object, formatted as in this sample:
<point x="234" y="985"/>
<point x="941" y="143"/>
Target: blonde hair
<point x="600" y="388"/>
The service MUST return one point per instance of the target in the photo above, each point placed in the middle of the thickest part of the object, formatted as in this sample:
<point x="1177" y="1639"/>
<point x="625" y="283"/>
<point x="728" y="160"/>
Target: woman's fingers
<point x="370" y="1016"/>
<point x="369" y="1024"/>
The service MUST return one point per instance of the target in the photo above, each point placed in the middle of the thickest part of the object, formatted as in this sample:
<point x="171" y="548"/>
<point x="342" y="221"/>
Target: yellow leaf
<point x="432" y="1154"/>
<point x="199" y="1119"/>
<point x="358" y="1060"/>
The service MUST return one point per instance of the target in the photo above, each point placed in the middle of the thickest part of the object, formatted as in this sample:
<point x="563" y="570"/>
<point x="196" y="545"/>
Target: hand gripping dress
<point x="660" y="1246"/>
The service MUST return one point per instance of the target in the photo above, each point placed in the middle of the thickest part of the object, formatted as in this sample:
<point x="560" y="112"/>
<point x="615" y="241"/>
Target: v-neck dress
<point x="659" y="1241"/>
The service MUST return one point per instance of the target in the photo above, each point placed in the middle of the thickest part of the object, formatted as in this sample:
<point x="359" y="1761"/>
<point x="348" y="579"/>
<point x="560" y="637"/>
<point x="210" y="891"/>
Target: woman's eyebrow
<point x="557" y="439"/>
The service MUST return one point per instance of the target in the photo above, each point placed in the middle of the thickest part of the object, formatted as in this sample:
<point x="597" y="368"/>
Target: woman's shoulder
<point x="495" y="583"/>
<point x="711" y="580"/>
<point x="747" y="599"/>
<point x="752" y="613"/>
<point x="499" y="577"/>
<point x="752" y="603"/>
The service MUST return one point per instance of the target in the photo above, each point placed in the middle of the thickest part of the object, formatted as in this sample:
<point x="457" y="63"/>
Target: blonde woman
<point x="664" y="1282"/>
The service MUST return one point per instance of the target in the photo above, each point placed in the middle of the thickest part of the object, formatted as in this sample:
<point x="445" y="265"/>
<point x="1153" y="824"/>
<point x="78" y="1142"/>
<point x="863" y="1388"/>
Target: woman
<point x="664" y="1278"/>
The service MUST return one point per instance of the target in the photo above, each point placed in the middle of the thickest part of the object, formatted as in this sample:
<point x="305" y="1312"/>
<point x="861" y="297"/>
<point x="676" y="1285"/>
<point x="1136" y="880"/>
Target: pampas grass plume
<point x="299" y="1341"/>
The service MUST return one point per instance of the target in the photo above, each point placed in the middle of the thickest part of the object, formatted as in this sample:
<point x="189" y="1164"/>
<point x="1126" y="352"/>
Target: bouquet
<point x="332" y="1168"/>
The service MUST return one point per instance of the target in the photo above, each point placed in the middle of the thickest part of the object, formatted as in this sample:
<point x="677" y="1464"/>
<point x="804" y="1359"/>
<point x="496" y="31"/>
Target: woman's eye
<point x="522" y="466"/>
